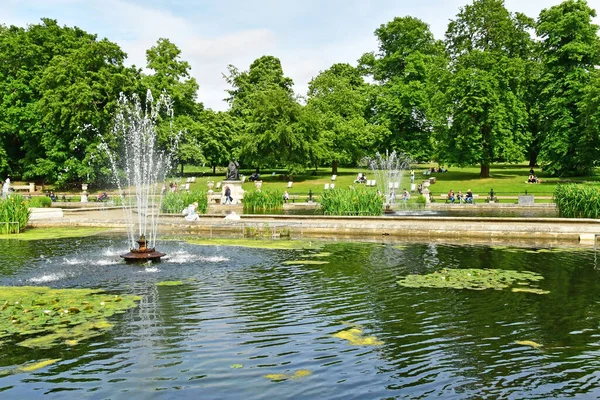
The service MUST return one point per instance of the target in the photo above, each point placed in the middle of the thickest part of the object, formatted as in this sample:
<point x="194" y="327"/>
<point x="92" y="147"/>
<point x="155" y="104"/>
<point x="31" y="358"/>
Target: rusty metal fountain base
<point x="143" y="254"/>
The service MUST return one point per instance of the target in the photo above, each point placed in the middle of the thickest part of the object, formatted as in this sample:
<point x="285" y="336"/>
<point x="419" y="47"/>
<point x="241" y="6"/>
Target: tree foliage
<point x="571" y="51"/>
<point x="486" y="97"/>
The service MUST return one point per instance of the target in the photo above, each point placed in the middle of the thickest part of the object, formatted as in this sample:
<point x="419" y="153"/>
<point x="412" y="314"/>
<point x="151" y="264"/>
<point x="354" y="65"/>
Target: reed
<point x="263" y="200"/>
<point x="14" y="209"/>
<point x="353" y="201"/>
<point x="40" y="202"/>
<point x="577" y="201"/>
<point x="175" y="202"/>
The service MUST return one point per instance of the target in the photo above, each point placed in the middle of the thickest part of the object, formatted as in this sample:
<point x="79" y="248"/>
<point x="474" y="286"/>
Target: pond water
<point x="246" y="314"/>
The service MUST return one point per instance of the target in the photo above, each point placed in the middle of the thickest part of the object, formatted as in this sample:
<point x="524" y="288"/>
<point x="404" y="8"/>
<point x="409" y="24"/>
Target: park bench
<point x="445" y="197"/>
<point x="30" y="187"/>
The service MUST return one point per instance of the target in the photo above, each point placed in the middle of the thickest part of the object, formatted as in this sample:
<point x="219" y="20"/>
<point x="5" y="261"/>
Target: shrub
<point x="263" y="200"/>
<point x="175" y="202"/>
<point x="421" y="199"/>
<point x="13" y="209"/>
<point x="577" y="201"/>
<point x="351" y="202"/>
<point x="40" y="201"/>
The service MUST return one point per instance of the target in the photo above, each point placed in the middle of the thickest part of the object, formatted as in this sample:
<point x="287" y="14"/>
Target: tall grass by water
<point x="175" y="202"/>
<point x="357" y="201"/>
<point x="14" y="214"/>
<point x="263" y="200"/>
<point x="577" y="201"/>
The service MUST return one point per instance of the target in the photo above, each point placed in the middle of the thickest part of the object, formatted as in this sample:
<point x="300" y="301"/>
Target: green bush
<point x="13" y="209"/>
<point x="40" y="202"/>
<point x="421" y="199"/>
<point x="577" y="201"/>
<point x="263" y="200"/>
<point x="351" y="202"/>
<point x="175" y="202"/>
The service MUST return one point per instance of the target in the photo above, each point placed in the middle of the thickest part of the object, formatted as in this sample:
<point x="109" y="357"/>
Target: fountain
<point x="139" y="170"/>
<point x="388" y="170"/>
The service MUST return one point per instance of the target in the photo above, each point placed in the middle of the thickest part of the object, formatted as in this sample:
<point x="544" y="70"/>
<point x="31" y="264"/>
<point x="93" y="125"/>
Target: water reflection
<point x="244" y="306"/>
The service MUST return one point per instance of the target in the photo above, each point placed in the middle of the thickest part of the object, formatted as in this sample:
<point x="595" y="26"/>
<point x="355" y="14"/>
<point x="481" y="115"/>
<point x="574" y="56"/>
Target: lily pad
<point x="529" y="343"/>
<point x="472" y="278"/>
<point x="355" y="337"/>
<point x="170" y="283"/>
<point x="46" y="317"/>
<point x="323" y="254"/>
<point x="237" y="366"/>
<point x="37" y="365"/>
<point x="296" y="375"/>
<point x="305" y="262"/>
<point x="530" y="290"/>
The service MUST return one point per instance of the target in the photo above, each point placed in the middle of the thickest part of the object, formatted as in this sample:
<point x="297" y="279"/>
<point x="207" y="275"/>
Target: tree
<point x="55" y="81"/>
<point x="171" y="75"/>
<point x="276" y="130"/>
<point x="339" y="96"/>
<point x="571" y="50"/>
<point x="487" y="114"/>
<point x="217" y="134"/>
<point x="406" y="68"/>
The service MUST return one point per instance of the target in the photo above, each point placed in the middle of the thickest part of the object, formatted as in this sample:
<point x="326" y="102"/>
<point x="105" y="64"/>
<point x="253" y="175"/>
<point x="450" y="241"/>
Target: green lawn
<point x="506" y="180"/>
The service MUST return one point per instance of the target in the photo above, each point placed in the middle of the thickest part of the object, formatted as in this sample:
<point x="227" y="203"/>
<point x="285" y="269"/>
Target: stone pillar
<point x="84" y="193"/>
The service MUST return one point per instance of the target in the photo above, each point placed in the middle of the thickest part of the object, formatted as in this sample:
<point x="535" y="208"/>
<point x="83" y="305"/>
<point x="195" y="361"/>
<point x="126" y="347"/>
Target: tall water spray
<point x="388" y="170"/>
<point x="139" y="168"/>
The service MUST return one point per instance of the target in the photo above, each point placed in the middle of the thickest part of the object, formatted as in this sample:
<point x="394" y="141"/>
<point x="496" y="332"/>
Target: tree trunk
<point x="485" y="171"/>
<point x="533" y="155"/>
<point x="214" y="169"/>
<point x="257" y="170"/>
<point x="334" y="165"/>
<point x="181" y="169"/>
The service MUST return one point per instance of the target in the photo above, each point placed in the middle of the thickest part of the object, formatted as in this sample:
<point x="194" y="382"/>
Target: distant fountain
<point x="388" y="170"/>
<point x="139" y="169"/>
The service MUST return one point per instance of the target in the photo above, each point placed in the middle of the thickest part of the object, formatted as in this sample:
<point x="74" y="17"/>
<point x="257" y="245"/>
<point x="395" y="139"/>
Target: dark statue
<point x="233" y="173"/>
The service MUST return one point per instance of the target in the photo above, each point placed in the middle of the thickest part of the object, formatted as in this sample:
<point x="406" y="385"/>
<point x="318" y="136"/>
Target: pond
<point x="270" y="324"/>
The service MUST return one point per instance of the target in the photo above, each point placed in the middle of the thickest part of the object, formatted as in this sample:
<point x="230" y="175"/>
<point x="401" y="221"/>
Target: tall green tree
<point x="54" y="80"/>
<point x="171" y="75"/>
<point x="488" y="119"/>
<point x="571" y="52"/>
<point x="339" y="96"/>
<point x="217" y="134"/>
<point x="277" y="130"/>
<point x="406" y="69"/>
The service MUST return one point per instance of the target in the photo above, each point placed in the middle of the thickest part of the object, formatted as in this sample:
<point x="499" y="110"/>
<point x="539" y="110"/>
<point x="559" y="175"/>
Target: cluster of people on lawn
<point x="460" y="197"/>
<point x="532" y="178"/>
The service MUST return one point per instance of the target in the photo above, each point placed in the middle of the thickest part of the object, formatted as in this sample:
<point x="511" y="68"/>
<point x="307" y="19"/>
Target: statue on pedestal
<point x="233" y="173"/>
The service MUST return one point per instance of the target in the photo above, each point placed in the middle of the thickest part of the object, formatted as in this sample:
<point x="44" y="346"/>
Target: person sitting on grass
<point x="405" y="195"/>
<point x="451" y="197"/>
<point x="469" y="197"/>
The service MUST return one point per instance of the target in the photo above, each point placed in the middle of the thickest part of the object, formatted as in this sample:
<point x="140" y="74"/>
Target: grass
<point x="506" y="180"/>
<point x="55" y="233"/>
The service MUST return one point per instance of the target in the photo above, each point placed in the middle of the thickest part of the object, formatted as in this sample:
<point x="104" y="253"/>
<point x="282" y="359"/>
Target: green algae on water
<point x="474" y="279"/>
<point x="170" y="283"/>
<point x="304" y="262"/>
<point x="257" y="243"/>
<point x="55" y="233"/>
<point x="42" y="317"/>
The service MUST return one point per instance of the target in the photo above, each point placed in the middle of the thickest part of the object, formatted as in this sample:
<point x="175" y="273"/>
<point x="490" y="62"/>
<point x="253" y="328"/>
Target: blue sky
<point x="307" y="35"/>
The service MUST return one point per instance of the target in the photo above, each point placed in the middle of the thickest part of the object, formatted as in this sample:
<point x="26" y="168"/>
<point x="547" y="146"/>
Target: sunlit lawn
<point x="506" y="179"/>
